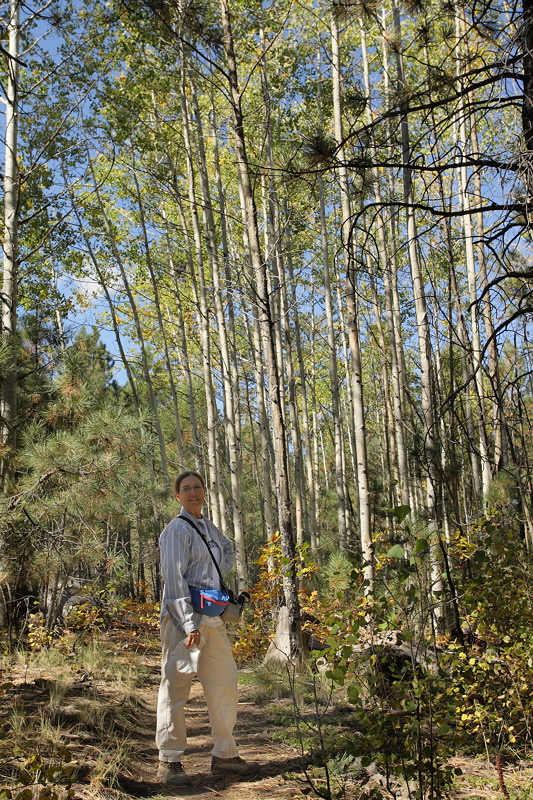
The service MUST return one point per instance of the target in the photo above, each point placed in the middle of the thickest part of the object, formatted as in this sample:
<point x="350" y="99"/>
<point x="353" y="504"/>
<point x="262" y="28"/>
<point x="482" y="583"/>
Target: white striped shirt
<point x="185" y="562"/>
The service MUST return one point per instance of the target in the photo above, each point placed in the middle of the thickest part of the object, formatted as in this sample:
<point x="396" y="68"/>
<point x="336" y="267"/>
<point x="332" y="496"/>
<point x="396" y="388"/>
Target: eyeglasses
<point x="189" y="489"/>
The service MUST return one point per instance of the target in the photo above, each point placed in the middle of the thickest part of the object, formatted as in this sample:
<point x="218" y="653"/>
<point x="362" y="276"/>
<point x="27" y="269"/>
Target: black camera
<point x="243" y="598"/>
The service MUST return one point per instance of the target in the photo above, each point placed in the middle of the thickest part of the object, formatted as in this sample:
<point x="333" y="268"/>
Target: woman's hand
<point x="192" y="638"/>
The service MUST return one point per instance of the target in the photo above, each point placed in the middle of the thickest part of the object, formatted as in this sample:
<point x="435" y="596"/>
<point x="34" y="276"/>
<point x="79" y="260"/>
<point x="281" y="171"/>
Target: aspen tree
<point x="215" y="493"/>
<point x="486" y="471"/>
<point x="228" y="367"/>
<point x="308" y="481"/>
<point x="422" y="321"/>
<point x="159" y="313"/>
<point x="340" y="487"/>
<point x="8" y="393"/>
<point x="353" y="324"/>
<point x="138" y="327"/>
<point x="264" y="307"/>
<point x="386" y="264"/>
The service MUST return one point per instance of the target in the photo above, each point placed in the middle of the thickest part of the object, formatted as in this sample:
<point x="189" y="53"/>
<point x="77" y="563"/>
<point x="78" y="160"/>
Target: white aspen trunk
<point x="296" y="438"/>
<point x="159" y="316"/>
<point x="111" y="305"/>
<point x="423" y="330"/>
<point x="274" y="247"/>
<point x="388" y="419"/>
<point x="296" y="648"/>
<point x="229" y="314"/>
<point x="138" y="330"/>
<point x="183" y="349"/>
<point x="353" y="326"/>
<point x="466" y="368"/>
<point x="498" y="412"/>
<point x="267" y="457"/>
<point x="317" y="440"/>
<point x="254" y="336"/>
<point x="394" y="316"/>
<point x="229" y="372"/>
<point x="486" y="470"/>
<point x="9" y="385"/>
<point x="346" y="402"/>
<point x="213" y="482"/>
<point x="444" y="430"/>
<point x="333" y="372"/>
<point x="394" y="338"/>
<point x="308" y="485"/>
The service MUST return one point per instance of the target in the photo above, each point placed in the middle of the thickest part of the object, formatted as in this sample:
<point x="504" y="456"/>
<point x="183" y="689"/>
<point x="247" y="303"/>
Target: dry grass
<point x="479" y="780"/>
<point x="97" y="700"/>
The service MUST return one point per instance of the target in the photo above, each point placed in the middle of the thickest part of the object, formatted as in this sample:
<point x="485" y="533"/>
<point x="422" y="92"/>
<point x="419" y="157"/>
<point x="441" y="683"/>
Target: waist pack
<point x="211" y="602"/>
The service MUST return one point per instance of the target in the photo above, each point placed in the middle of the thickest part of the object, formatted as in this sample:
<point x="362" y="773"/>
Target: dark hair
<point x="187" y="474"/>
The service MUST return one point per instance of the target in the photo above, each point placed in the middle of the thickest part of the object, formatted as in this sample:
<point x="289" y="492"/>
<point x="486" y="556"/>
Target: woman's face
<point x="191" y="495"/>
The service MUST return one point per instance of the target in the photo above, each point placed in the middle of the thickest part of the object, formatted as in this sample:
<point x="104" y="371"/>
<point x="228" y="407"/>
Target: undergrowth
<point x="72" y="715"/>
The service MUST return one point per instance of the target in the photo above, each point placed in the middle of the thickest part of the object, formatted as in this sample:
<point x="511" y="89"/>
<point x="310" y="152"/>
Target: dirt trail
<point x="255" y="742"/>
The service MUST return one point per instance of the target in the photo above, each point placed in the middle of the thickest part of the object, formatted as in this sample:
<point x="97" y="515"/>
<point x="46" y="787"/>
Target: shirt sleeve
<point x="175" y="547"/>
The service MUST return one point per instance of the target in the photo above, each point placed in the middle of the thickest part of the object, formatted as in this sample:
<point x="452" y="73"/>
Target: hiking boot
<point x="172" y="772"/>
<point x="233" y="766"/>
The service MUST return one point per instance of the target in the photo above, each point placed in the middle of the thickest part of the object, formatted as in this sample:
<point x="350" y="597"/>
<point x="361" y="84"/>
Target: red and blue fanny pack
<point x="211" y="602"/>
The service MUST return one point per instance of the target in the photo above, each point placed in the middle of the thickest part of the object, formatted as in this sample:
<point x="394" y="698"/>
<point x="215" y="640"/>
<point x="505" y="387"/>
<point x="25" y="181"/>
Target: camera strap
<point x="200" y="534"/>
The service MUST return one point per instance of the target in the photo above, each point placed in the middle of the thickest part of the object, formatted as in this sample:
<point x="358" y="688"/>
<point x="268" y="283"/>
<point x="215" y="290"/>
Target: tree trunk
<point x="365" y="533"/>
<point x="423" y="330"/>
<point x="266" y="322"/>
<point x="159" y="315"/>
<point x="387" y="265"/>
<point x="9" y="387"/>
<point x="213" y="478"/>
<point x="228" y="367"/>
<point x="138" y="329"/>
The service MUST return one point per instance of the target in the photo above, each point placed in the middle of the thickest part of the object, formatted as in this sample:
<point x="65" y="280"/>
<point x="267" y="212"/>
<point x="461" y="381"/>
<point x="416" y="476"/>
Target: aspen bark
<point x="138" y="329"/>
<point x="333" y="372"/>
<point x="214" y="485"/>
<point x="266" y="321"/>
<point x="9" y="384"/>
<point x="486" y="471"/>
<point x="159" y="316"/>
<point x="228" y="368"/>
<point x="387" y="264"/>
<point x="309" y="508"/>
<point x="183" y="349"/>
<point x="353" y="325"/>
<point x="423" y="328"/>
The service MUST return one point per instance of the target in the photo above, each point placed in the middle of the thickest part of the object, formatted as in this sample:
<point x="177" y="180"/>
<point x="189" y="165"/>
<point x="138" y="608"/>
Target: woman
<point x="193" y="643"/>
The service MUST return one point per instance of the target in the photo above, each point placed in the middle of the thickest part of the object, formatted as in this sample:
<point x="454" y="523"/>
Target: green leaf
<point x="337" y="675"/>
<point x="25" y="777"/>
<point x="353" y="694"/>
<point x="396" y="551"/>
<point x="399" y="512"/>
<point x="420" y="546"/>
<point x="25" y="794"/>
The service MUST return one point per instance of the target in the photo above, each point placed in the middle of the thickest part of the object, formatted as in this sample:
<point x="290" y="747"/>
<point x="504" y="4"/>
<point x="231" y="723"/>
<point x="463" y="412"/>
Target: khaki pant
<point x="217" y="672"/>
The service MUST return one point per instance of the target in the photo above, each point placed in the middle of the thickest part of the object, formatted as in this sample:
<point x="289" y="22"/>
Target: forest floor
<point x="138" y="778"/>
<point x="92" y="705"/>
